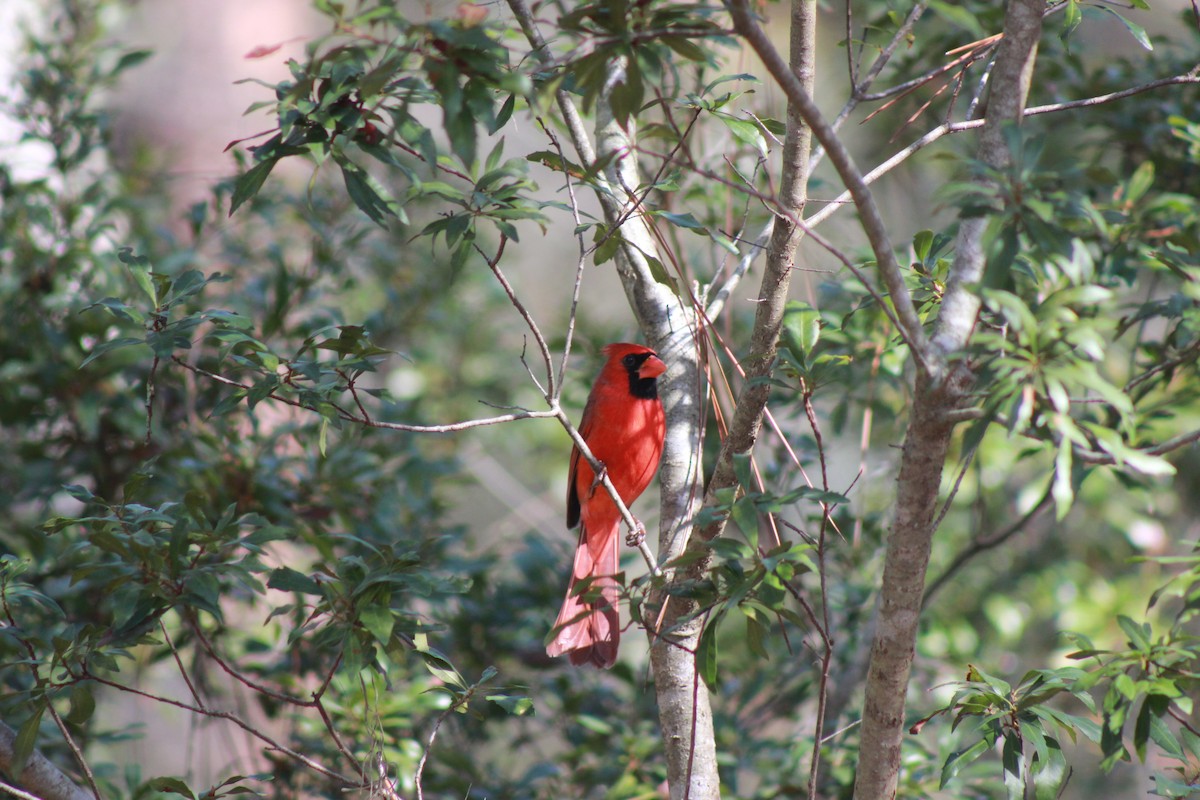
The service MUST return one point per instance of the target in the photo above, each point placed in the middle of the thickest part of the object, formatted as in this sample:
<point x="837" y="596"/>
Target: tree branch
<point x="43" y="780"/>
<point x="236" y="720"/>
<point x="1010" y="81"/>
<point x="981" y="544"/>
<point x="872" y="222"/>
<point x="785" y="238"/>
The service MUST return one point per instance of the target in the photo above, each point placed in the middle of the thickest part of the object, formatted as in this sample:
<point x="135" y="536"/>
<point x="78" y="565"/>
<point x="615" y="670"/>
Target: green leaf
<point x="1150" y="710"/>
<point x="1137" y="31"/>
<point x="379" y="622"/>
<point x="606" y="244"/>
<point x="922" y="244"/>
<point x="108" y="347"/>
<point x="517" y="705"/>
<point x="83" y="705"/>
<point x="249" y="182"/>
<point x="440" y="666"/>
<point x="1071" y="19"/>
<point x="130" y="59"/>
<point x="957" y="760"/>
<point x="801" y="329"/>
<point x="506" y="111"/>
<point x="1014" y="767"/>
<point x="139" y="270"/>
<point x="706" y="651"/>
<point x="685" y="47"/>
<point x="1161" y="735"/>
<point x="743" y="470"/>
<point x="286" y="579"/>
<point x="685" y="220"/>
<point x="745" y="516"/>
<point x="959" y="16"/>
<point x="1061" y="489"/>
<point x="746" y="132"/>
<point x="594" y="724"/>
<point x="171" y="786"/>
<point x="366" y="194"/>
<point x="660" y="275"/>
<point x="1050" y="772"/>
<point x="757" y="633"/>
<point x="26" y="741"/>
<point x="1139" y="635"/>
<point x="1140" y="182"/>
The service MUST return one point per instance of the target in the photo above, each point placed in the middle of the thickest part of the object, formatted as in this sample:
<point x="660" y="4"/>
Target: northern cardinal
<point x="623" y="427"/>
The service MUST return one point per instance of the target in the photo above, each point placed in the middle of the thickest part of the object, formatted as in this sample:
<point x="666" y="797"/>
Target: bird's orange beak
<point x="652" y="367"/>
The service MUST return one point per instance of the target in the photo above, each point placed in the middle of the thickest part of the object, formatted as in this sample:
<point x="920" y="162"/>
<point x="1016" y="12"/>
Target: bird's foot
<point x="599" y="479"/>
<point x="637" y="535"/>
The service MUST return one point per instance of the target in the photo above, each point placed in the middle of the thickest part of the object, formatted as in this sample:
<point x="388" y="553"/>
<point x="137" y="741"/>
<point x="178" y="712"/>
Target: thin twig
<point x="858" y="89"/>
<point x="714" y="308"/>
<point x="179" y="663"/>
<point x="543" y="348"/>
<point x="231" y="717"/>
<point x="937" y="523"/>
<point x="970" y="124"/>
<point x="229" y="670"/>
<point x="823" y="628"/>
<point x="437" y="725"/>
<point x="75" y="750"/>
<point x="392" y="426"/>
<point x="572" y="315"/>
<point x="15" y="792"/>
<point x="151" y="393"/>
<point x="606" y="482"/>
<point x="872" y="223"/>
<point x="984" y="543"/>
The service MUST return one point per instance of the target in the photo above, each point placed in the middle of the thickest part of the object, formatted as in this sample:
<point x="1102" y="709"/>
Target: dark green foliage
<point x="207" y="470"/>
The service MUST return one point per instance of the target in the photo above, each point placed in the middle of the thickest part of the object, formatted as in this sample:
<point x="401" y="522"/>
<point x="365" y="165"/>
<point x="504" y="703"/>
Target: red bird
<point x="623" y="426"/>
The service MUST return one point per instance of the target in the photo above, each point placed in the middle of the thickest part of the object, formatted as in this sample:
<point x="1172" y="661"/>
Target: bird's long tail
<point x="588" y="628"/>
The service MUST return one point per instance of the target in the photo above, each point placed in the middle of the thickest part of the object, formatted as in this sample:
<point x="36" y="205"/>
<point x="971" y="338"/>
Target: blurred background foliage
<point x="186" y="494"/>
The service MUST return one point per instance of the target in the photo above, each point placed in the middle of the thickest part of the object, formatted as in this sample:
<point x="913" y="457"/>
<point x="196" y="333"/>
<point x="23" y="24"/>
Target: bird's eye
<point x="630" y="360"/>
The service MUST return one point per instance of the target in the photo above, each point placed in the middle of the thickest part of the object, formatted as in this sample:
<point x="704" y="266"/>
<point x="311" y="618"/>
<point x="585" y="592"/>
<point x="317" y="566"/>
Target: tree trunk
<point x="928" y="437"/>
<point x="40" y="777"/>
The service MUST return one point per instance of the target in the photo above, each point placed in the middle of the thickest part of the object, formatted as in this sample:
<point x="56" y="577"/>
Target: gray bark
<point x="669" y="325"/>
<point x="670" y="328"/>
<point x="40" y="777"/>
<point x="928" y="437"/>
<point x="777" y="275"/>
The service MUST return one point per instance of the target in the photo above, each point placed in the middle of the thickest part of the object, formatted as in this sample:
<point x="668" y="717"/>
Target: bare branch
<point x="493" y="263"/>
<point x="934" y="134"/>
<point x="717" y="305"/>
<point x="75" y="750"/>
<point x="983" y="543"/>
<point x="236" y="720"/>
<point x="370" y="423"/>
<point x="187" y="679"/>
<point x="579" y="265"/>
<point x="15" y="792"/>
<point x="437" y="726"/>
<point x="785" y="238"/>
<point x="872" y="222"/>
